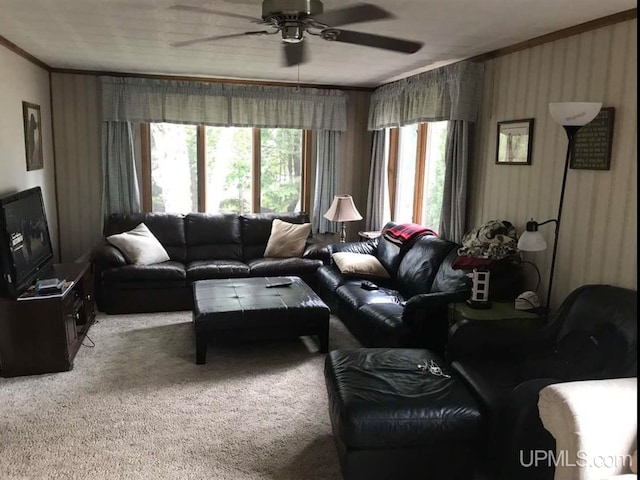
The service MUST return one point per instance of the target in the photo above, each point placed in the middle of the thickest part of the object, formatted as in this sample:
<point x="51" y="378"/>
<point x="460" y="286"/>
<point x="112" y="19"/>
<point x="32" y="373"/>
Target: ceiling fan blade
<point x="218" y="37"/>
<point x="294" y="53"/>
<point x="377" y="41"/>
<point x="190" y="8"/>
<point x="362" y="12"/>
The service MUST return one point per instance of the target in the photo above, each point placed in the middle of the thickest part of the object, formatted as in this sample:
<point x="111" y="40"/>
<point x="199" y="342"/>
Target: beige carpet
<point x="137" y="406"/>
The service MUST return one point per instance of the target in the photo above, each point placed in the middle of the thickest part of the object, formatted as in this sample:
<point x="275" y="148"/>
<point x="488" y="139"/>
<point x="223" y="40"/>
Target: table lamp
<point x="342" y="210"/>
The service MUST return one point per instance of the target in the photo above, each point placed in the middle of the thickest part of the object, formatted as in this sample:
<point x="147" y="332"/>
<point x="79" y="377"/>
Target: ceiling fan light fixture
<point x="292" y="33"/>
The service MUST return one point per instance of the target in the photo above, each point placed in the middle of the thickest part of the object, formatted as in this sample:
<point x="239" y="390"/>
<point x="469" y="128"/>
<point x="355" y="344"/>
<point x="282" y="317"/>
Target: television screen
<point x="26" y="236"/>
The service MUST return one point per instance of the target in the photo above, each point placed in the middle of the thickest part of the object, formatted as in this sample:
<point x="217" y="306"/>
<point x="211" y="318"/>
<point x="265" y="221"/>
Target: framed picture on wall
<point x="32" y="135"/>
<point x="514" y="142"/>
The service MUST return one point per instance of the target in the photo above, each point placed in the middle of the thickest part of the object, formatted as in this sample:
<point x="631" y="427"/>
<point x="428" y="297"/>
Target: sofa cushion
<point x="330" y="277"/>
<point x="384" y="323"/>
<point x="267" y="267"/>
<point x="168" y="228"/>
<point x="166" y="271"/>
<point x="389" y="254"/>
<point x="359" y="265"/>
<point x="213" y="237"/>
<point x="420" y="264"/>
<point x="139" y="246"/>
<point x="210" y="269"/>
<point x="287" y="239"/>
<point x="449" y="279"/>
<point x="256" y="230"/>
<point x="355" y="296"/>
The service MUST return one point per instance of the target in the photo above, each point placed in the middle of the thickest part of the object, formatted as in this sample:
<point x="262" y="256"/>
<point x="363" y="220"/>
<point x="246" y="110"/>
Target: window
<point x="415" y="167"/>
<point x="191" y="168"/>
<point x="173" y="168"/>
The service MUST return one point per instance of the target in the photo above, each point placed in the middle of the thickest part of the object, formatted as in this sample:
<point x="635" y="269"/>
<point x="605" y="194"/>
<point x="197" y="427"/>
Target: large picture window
<point x="415" y="168"/>
<point x="191" y="168"/>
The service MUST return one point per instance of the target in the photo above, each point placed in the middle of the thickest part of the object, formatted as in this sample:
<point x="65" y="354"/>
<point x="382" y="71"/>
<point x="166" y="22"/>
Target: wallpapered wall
<point x="20" y="81"/>
<point x="76" y="101"/>
<point x="598" y="235"/>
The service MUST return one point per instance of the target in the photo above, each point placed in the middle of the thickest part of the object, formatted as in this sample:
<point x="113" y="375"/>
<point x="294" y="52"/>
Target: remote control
<point x="280" y="284"/>
<point x="369" y="285"/>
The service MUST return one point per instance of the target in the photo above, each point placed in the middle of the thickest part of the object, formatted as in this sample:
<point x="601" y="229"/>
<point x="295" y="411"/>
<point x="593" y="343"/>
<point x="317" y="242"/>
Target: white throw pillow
<point x="359" y="265"/>
<point x="139" y="246"/>
<point x="287" y="239"/>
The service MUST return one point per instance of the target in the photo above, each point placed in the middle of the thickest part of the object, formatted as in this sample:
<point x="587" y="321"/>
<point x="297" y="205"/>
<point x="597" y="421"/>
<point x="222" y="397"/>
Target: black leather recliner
<point x="592" y="336"/>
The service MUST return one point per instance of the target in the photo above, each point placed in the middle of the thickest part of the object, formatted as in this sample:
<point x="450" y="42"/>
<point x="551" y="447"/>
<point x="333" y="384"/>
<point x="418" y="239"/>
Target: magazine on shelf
<point x="32" y="293"/>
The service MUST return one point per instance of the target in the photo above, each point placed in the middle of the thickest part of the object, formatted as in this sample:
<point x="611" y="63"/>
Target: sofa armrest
<point x="426" y="301"/>
<point x="594" y="423"/>
<point x="317" y="251"/>
<point x="367" y="247"/>
<point x="107" y="256"/>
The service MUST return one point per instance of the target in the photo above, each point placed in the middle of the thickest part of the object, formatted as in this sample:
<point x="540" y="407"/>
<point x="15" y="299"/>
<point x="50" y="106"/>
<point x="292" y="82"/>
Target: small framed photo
<point x="32" y="135"/>
<point x="515" y="139"/>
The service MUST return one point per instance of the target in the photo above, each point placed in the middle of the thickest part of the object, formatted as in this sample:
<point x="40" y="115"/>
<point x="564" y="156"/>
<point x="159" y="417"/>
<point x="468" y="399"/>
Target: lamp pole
<point x="571" y="131"/>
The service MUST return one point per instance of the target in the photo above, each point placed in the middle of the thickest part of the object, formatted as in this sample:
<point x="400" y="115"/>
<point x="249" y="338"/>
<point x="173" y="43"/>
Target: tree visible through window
<point x="281" y="170"/>
<point x="216" y="169"/>
<point x="415" y="157"/>
<point x="173" y="168"/>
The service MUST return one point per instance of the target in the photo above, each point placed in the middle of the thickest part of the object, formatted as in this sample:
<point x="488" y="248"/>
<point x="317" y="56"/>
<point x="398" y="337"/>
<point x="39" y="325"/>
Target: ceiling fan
<point x="292" y="19"/>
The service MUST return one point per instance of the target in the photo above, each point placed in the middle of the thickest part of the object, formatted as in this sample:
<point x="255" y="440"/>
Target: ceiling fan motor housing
<point x="286" y="8"/>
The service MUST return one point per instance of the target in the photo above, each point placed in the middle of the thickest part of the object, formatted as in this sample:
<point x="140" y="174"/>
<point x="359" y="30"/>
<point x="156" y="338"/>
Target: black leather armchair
<point x="592" y="336"/>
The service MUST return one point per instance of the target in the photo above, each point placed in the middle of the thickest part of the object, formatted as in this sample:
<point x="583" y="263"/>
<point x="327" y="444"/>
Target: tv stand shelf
<point x="43" y="335"/>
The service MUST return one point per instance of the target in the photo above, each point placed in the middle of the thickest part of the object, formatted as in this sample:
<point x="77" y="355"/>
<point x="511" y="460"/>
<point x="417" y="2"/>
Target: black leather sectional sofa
<point x="201" y="246"/>
<point x="410" y="308"/>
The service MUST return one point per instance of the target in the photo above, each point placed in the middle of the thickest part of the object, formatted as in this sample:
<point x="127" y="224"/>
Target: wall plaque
<point x="592" y="150"/>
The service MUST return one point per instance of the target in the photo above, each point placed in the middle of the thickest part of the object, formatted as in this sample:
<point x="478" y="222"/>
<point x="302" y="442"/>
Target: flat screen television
<point x="26" y="254"/>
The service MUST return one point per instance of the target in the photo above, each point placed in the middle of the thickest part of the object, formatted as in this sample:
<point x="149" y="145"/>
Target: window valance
<point x="221" y="104"/>
<point x="448" y="93"/>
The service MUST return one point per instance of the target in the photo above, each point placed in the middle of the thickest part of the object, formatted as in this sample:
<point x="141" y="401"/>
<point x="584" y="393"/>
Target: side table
<point x="500" y="312"/>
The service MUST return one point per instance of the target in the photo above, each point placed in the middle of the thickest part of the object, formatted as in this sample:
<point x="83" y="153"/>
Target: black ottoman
<point x="391" y="420"/>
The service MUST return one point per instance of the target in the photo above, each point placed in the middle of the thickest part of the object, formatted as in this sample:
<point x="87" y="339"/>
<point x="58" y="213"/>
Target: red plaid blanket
<point x="405" y="232"/>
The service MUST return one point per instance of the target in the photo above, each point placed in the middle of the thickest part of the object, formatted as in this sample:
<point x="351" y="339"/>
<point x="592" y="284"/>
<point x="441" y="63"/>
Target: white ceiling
<point x="135" y="36"/>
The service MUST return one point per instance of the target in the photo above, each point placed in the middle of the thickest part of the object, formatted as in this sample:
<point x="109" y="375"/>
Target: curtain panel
<point x="448" y="93"/>
<point x="220" y="104"/>
<point x="376" y="207"/>
<point x="120" y="192"/>
<point x="454" y="196"/>
<point x="326" y="180"/>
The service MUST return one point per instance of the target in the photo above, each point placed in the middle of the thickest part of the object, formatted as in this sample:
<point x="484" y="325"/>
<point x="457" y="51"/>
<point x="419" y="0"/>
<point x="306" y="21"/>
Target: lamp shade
<point x="574" y="113"/>
<point x="342" y="210"/>
<point x="532" y="242"/>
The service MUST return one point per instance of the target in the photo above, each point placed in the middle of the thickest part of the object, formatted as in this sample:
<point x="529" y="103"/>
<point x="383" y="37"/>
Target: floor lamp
<point x="572" y="116"/>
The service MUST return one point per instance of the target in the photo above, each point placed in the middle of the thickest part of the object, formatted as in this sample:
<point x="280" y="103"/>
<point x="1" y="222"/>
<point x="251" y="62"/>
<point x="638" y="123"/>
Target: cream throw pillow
<point x="287" y="239"/>
<point x="359" y="265"/>
<point x="634" y="462"/>
<point x="139" y="246"/>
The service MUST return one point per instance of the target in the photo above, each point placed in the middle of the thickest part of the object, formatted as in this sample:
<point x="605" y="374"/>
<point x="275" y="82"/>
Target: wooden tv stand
<point x="43" y="335"/>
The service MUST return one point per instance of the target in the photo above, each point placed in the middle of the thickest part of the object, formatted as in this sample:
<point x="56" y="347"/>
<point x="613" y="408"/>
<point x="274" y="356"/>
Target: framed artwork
<point x="32" y="135"/>
<point x="514" y="142"/>
<point x="593" y="143"/>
